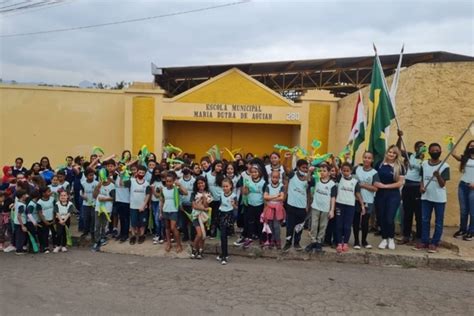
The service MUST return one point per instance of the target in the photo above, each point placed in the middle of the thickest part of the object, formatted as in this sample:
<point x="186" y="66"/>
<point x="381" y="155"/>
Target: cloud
<point x="251" y="32"/>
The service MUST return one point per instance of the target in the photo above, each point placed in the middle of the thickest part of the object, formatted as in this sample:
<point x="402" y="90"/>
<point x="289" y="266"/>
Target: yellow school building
<point x="247" y="106"/>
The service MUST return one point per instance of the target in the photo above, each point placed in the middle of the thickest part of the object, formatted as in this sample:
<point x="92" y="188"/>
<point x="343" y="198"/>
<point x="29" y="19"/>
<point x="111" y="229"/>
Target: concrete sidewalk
<point x="454" y="254"/>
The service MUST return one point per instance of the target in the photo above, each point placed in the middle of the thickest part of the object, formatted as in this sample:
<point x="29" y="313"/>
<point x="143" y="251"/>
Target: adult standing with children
<point x="392" y="176"/>
<point x="466" y="192"/>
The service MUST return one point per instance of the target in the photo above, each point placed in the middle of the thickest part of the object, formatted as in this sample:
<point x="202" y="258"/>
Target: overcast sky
<point x="251" y="32"/>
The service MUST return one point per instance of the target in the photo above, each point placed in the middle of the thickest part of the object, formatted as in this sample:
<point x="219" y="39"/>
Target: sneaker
<point x="383" y="244"/>
<point x="310" y="247"/>
<point x="223" y="262"/>
<point x="459" y="233"/>
<point x="63" y="249"/>
<point x="298" y="247"/>
<point x="432" y="248"/>
<point x="419" y="246"/>
<point x="404" y="241"/>
<point x="122" y="240"/>
<point x="103" y="242"/>
<point x="96" y="247"/>
<point x="345" y="247"/>
<point x="199" y="254"/>
<point x="193" y="254"/>
<point x="467" y="237"/>
<point x="287" y="246"/>
<point x="239" y="242"/>
<point x="161" y="241"/>
<point x="367" y="246"/>
<point x="133" y="240"/>
<point x="339" y="248"/>
<point x="247" y="243"/>
<point x="391" y="244"/>
<point x="46" y="251"/>
<point x="267" y="244"/>
<point x="219" y="258"/>
<point x="141" y="239"/>
<point x="56" y="249"/>
<point x="156" y="238"/>
<point x="19" y="253"/>
<point x="318" y="247"/>
<point x="356" y="247"/>
<point x="10" y="248"/>
<point x="155" y="241"/>
<point x="115" y="232"/>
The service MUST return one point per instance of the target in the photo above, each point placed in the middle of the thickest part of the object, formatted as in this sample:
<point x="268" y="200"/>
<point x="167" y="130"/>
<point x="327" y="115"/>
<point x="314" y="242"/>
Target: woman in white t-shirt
<point x="466" y="192"/>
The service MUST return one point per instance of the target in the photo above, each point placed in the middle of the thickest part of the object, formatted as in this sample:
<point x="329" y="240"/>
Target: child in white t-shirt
<point x="433" y="197"/>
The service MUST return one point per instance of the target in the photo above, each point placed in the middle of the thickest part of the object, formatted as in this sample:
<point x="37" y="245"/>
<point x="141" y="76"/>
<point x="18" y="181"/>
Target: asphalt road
<point x="83" y="283"/>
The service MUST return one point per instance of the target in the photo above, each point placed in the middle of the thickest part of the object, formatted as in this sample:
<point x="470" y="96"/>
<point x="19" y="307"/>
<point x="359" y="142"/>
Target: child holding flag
<point x="298" y="189"/>
<point x="19" y="220"/>
<point x="322" y="207"/>
<point x="104" y="193"/>
<point x="348" y="193"/>
<point x="139" y="197"/>
<point x="433" y="197"/>
<point x="226" y="214"/>
<point x="201" y="198"/>
<point x="88" y="205"/>
<point x="169" y="205"/>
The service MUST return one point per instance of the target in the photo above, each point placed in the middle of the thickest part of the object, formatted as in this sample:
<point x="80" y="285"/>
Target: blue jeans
<point x="466" y="204"/>
<point x="387" y="203"/>
<point x="158" y="227"/>
<point x="344" y="219"/>
<point x="426" y="210"/>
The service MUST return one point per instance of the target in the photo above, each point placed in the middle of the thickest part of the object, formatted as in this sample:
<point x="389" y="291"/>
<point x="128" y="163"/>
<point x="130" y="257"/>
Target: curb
<point x="367" y="257"/>
<point x="363" y="257"/>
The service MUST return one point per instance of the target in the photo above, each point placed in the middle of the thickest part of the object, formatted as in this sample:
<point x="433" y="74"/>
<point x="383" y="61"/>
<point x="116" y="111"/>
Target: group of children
<point x="178" y="198"/>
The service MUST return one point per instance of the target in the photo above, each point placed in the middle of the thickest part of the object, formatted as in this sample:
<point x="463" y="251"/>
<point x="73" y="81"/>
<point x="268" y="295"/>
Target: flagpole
<point x="450" y="153"/>
<point x="404" y="149"/>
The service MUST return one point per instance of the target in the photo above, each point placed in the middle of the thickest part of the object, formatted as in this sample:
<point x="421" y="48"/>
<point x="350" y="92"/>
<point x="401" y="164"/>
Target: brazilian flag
<point x="380" y="112"/>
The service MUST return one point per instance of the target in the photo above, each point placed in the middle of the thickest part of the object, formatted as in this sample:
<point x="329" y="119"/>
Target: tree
<point x="120" y="85"/>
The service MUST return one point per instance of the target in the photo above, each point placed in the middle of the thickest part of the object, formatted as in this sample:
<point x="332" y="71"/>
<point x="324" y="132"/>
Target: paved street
<point x="84" y="283"/>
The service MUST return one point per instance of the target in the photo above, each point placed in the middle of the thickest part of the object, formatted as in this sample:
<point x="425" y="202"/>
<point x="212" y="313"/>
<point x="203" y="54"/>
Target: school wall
<point x="433" y="101"/>
<point x="56" y="122"/>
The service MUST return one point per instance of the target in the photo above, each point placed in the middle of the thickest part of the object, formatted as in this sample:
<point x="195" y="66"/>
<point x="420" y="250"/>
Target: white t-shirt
<point x="158" y="187"/>
<point x="226" y="202"/>
<point x="346" y="190"/>
<point x="213" y="187"/>
<point x="47" y="208"/>
<point x="169" y="204"/>
<point x="413" y="173"/>
<point x="189" y="186"/>
<point x="468" y="174"/>
<point x="434" y="193"/>
<point x="297" y="191"/>
<point x="138" y="192"/>
<point x="88" y="190"/>
<point x="122" y="193"/>
<point x="106" y="191"/>
<point x="367" y="177"/>
<point x="323" y="192"/>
